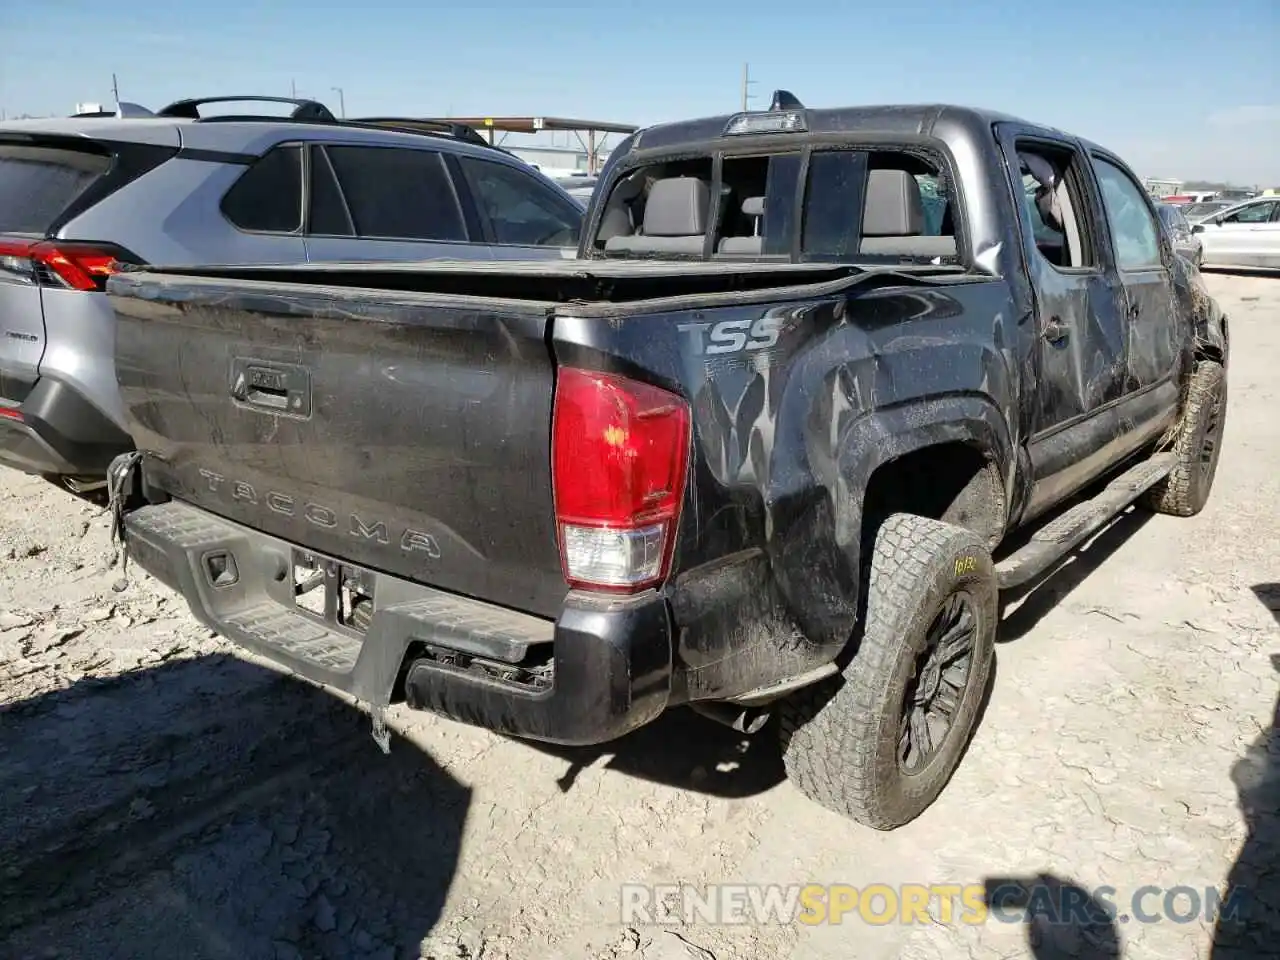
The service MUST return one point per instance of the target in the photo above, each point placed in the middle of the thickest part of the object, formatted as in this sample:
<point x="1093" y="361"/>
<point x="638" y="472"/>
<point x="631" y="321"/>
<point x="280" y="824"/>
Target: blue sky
<point x="1179" y="87"/>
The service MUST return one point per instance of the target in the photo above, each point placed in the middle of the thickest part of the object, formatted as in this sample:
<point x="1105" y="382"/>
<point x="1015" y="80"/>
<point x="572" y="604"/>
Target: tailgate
<point x="405" y="432"/>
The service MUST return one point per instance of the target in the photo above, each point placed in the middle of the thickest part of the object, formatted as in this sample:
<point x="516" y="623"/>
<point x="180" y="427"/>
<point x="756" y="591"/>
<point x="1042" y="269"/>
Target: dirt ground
<point x="161" y="796"/>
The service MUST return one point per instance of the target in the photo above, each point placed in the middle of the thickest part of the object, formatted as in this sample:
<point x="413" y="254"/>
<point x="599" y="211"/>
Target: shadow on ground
<point x="1256" y="873"/>
<point x="683" y="749"/>
<point x="1063" y="921"/>
<point x="1035" y="600"/>
<point x="213" y="809"/>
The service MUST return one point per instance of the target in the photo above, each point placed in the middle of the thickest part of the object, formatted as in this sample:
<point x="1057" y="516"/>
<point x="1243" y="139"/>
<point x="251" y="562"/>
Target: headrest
<point x="893" y="206"/>
<point x="753" y="206"/>
<point x="677" y="207"/>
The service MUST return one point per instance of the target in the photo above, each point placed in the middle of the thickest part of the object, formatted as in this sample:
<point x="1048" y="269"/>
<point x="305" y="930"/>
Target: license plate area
<point x="336" y="593"/>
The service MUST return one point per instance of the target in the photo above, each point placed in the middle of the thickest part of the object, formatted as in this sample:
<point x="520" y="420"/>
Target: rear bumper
<point x="55" y="430"/>
<point x="600" y="670"/>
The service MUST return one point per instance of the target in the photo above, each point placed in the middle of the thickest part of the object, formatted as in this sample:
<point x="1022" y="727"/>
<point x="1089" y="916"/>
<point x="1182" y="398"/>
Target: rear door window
<point x="37" y="184"/>
<point x="520" y="210"/>
<point x="398" y="193"/>
<point x="268" y="196"/>
<point x="329" y="216"/>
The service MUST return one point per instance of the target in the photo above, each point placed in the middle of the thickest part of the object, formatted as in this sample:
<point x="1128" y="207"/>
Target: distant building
<point x="1159" y="187"/>
<point x="553" y="161"/>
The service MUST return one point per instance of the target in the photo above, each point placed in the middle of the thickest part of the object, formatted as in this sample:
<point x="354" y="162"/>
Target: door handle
<point x="282" y="388"/>
<point x="1133" y="310"/>
<point x="1055" y="331"/>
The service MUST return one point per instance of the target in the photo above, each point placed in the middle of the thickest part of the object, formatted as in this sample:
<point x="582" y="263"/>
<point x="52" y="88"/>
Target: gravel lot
<point x="164" y="797"/>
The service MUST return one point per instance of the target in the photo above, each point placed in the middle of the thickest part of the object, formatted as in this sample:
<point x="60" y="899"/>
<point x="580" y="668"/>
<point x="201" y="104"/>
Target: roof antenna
<point x="785" y="100"/>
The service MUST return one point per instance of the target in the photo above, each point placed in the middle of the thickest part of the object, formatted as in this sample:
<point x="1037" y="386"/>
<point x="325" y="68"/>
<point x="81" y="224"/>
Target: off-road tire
<point x="1185" y="491"/>
<point x="840" y="738"/>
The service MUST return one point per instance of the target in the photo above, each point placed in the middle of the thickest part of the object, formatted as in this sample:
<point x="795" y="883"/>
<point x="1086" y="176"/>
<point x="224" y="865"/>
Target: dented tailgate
<point x="404" y="432"/>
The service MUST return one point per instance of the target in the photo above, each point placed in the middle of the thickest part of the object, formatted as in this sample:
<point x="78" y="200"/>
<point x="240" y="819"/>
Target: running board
<point x="1055" y="540"/>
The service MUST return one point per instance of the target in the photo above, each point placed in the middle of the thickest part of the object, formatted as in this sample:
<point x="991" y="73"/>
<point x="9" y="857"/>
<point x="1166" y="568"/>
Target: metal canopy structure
<point x="592" y="128"/>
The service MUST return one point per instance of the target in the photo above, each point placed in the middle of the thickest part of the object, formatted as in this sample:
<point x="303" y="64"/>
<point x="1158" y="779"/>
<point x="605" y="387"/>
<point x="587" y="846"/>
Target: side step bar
<point x="1051" y="543"/>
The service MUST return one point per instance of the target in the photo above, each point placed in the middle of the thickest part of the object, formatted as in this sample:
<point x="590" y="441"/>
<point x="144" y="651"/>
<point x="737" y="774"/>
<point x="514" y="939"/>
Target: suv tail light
<point x="54" y="263"/>
<point x="619" y="454"/>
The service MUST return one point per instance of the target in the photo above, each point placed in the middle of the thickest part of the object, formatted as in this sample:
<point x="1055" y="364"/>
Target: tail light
<point x="54" y="263"/>
<point x="619" y="454"/>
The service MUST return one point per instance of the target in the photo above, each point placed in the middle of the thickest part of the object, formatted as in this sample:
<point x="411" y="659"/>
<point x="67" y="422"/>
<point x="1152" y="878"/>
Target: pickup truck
<point x="770" y="447"/>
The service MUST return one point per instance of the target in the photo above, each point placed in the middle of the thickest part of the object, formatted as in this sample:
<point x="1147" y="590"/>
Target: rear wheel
<point x="879" y="742"/>
<point x="1197" y="445"/>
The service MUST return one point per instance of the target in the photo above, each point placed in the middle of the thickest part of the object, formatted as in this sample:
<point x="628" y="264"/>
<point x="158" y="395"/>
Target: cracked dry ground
<point x="162" y="797"/>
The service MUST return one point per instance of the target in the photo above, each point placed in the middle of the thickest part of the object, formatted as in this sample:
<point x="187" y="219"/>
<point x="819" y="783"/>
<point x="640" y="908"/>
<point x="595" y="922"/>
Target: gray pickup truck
<point x="821" y="383"/>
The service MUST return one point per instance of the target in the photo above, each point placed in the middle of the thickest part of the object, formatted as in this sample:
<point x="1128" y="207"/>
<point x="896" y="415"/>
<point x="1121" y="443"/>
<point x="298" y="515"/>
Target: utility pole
<point x="293" y="90"/>
<point x="746" y="85"/>
<point x="342" y="103"/>
<point x="115" y="90"/>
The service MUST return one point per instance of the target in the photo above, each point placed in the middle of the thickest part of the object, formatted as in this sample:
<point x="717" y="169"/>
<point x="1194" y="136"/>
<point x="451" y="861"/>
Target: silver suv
<point x="78" y="195"/>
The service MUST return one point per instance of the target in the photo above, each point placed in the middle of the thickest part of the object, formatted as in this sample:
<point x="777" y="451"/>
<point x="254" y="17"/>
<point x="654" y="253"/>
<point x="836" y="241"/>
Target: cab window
<point x="1134" y="233"/>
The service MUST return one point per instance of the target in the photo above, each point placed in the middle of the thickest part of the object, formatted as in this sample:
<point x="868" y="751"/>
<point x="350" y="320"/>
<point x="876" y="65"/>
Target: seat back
<point x="893" y="219"/>
<point x="748" y="246"/>
<point x="675" y="219"/>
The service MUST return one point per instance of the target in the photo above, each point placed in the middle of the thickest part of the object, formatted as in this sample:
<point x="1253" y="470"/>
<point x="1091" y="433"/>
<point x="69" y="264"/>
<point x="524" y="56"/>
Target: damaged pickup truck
<point x="821" y="383"/>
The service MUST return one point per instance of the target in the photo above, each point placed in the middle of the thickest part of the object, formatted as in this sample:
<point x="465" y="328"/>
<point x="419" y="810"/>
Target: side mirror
<point x="1198" y="228"/>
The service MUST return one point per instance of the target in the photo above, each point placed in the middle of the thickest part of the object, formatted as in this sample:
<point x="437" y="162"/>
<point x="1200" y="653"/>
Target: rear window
<point x="861" y="206"/>
<point x="38" y="183"/>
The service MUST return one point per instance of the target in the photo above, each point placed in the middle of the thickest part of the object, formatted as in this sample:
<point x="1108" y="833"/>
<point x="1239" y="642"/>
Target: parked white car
<point x="1245" y="235"/>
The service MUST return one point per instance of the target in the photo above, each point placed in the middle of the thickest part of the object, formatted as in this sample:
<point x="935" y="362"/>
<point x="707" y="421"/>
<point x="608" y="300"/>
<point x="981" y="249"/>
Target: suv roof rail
<point x="459" y="131"/>
<point x="302" y="109"/>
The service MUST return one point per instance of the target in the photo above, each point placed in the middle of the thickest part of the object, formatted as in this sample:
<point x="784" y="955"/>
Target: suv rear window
<point x="38" y="183"/>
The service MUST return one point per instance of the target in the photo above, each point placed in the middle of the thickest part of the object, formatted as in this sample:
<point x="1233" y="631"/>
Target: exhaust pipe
<point x="81" y="486"/>
<point x="743" y="719"/>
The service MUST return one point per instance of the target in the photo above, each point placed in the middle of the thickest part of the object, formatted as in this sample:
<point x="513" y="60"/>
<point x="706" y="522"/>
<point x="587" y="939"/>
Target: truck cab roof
<point x="910" y="120"/>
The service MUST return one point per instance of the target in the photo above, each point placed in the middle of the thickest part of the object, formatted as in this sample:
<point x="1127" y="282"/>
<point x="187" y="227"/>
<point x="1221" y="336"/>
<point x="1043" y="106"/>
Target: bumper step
<point x="1055" y="540"/>
<point x="599" y="671"/>
<point x="256" y="609"/>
